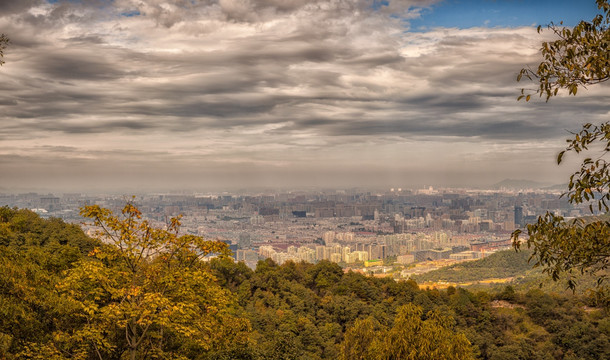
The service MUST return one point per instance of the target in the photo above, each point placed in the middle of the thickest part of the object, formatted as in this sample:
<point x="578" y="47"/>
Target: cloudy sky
<point x="159" y="95"/>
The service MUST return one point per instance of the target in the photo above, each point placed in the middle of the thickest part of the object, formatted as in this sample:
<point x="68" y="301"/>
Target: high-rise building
<point x="518" y="216"/>
<point x="320" y="252"/>
<point x="335" y="258"/>
<point x="244" y="241"/>
<point x="328" y="237"/>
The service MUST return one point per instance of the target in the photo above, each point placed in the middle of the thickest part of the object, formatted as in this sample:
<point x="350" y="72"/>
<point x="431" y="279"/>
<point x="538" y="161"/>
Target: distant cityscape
<point x="398" y="230"/>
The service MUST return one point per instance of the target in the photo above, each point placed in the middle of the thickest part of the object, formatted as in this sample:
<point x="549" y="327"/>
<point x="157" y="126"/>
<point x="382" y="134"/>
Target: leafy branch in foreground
<point x="562" y="246"/>
<point x="581" y="244"/>
<point x="578" y="58"/>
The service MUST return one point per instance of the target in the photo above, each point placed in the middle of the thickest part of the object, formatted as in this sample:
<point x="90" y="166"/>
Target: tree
<point x="145" y="294"/>
<point x="579" y="58"/>
<point x="33" y="254"/>
<point x="3" y="44"/>
<point x="411" y="338"/>
<point x="358" y="339"/>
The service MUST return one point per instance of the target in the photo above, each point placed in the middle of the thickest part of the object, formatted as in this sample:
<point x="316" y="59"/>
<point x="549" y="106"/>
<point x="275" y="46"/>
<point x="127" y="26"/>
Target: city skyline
<point x="157" y="96"/>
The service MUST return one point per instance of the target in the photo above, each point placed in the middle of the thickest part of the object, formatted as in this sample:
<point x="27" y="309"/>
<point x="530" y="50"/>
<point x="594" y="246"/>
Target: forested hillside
<point x="513" y="267"/>
<point x="503" y="264"/>
<point x="293" y="311"/>
<point x="34" y="253"/>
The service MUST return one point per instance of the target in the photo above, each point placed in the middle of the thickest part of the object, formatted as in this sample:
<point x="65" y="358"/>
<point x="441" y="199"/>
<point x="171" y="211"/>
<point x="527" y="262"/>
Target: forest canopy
<point x="292" y="311"/>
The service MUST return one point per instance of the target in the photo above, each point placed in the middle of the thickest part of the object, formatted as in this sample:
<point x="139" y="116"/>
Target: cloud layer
<point x="167" y="94"/>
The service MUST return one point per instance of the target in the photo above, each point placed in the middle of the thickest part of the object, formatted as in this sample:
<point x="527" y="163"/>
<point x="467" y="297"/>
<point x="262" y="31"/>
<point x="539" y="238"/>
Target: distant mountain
<point x="557" y="187"/>
<point x="518" y="184"/>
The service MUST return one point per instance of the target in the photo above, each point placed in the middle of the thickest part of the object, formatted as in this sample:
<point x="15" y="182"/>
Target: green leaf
<point x="560" y="157"/>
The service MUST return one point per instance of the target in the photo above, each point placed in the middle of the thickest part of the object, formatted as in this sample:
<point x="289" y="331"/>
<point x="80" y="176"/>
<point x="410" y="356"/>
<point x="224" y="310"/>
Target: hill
<point x="518" y="184"/>
<point x="503" y="264"/>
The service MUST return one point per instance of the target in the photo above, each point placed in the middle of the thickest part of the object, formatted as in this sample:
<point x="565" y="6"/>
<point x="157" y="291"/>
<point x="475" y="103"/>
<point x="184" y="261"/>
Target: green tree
<point x="578" y="58"/>
<point x="411" y="338"/>
<point x="417" y="339"/>
<point x="358" y="339"/>
<point x="33" y="254"/>
<point x="145" y="294"/>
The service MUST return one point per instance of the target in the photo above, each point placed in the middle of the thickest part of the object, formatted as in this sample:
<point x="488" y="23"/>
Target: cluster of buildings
<point x="345" y="226"/>
<point x="405" y="249"/>
<point x="312" y="254"/>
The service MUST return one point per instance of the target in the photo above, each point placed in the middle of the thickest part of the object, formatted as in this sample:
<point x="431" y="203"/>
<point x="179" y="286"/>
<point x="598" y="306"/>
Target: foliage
<point x="296" y="310"/>
<point x="3" y="44"/>
<point x="537" y="279"/>
<point x="502" y="264"/>
<point x="33" y="253"/>
<point x="146" y="293"/>
<point x="410" y="338"/>
<point x="358" y="341"/>
<point x="563" y="247"/>
<point x="295" y="317"/>
<point x="580" y="57"/>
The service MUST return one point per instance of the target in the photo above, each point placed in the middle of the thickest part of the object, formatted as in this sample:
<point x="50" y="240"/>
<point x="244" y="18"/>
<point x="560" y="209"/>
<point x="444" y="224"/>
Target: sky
<point x="161" y="95"/>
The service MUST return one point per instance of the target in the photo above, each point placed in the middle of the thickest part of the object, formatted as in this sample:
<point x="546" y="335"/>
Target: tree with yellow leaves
<point x="411" y="338"/>
<point x="145" y="294"/>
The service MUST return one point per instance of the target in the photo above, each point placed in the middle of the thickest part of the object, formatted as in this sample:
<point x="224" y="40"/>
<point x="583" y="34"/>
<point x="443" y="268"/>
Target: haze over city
<point x="167" y="95"/>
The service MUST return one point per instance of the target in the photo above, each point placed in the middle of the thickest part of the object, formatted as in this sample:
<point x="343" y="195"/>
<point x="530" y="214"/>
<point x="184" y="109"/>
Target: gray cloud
<point x="320" y="87"/>
<point x="8" y="7"/>
<point x="169" y="14"/>
<point x="75" y="66"/>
